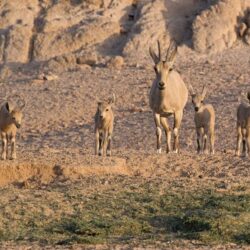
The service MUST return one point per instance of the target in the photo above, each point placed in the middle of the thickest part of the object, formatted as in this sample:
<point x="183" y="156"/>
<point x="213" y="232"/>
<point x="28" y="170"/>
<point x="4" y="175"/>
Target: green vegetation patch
<point x="142" y="212"/>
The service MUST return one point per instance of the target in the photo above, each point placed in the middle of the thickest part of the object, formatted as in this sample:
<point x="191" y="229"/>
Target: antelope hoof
<point x="158" y="151"/>
<point x="237" y="153"/>
<point x="108" y="152"/>
<point x="13" y="157"/>
<point x="4" y="156"/>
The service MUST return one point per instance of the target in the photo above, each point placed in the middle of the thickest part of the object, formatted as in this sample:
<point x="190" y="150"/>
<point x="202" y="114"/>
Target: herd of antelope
<point x="168" y="96"/>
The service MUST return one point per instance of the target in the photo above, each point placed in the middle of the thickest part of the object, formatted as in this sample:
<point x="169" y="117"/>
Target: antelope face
<point x="162" y="70"/>
<point x="197" y="101"/>
<point x="103" y="109"/>
<point x="16" y="116"/>
<point x="163" y="67"/>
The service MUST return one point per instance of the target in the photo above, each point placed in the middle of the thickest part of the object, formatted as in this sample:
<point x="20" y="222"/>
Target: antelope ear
<point x="153" y="55"/>
<point x="173" y="55"/>
<point x="112" y="99"/>
<point x="171" y="52"/>
<point x="191" y="90"/>
<point x="204" y="92"/>
<point x="22" y="104"/>
<point x="7" y="106"/>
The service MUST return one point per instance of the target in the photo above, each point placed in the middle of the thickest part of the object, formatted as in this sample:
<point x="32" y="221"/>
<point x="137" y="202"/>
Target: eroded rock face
<point x="2" y="47"/>
<point x="40" y="30"/>
<point x="244" y="26"/>
<point x="215" y="28"/>
<point x="149" y="27"/>
<point x="16" y="24"/>
<point x="44" y="30"/>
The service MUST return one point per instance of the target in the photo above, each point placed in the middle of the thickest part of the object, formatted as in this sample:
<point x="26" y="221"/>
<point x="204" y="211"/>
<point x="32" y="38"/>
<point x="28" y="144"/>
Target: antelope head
<point x="162" y="66"/>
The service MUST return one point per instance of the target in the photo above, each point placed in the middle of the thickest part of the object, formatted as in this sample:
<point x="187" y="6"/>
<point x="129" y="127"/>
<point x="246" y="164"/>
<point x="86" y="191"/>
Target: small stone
<point x="85" y="67"/>
<point x="123" y="31"/>
<point x="242" y="29"/>
<point x="247" y="36"/>
<point x="5" y="72"/>
<point x="47" y="77"/>
<point x="223" y="185"/>
<point x="240" y="77"/>
<point x="210" y="62"/>
<point x="184" y="173"/>
<point x="116" y="62"/>
<point x="89" y="59"/>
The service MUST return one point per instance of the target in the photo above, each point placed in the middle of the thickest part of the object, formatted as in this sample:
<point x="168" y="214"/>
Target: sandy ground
<point x="55" y="144"/>
<point x="58" y="126"/>
<point x="57" y="136"/>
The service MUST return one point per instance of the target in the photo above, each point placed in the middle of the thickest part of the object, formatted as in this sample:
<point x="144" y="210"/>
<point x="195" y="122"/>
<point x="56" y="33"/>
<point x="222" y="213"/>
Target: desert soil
<point x="56" y="141"/>
<point x="55" y="145"/>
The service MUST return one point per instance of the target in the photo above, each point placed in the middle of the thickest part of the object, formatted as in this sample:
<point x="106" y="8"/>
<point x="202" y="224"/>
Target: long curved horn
<point x="21" y="102"/>
<point x="113" y="96"/>
<point x="159" y="50"/>
<point x="13" y="97"/>
<point x="172" y="50"/>
<point x="191" y="89"/>
<point x="204" y="91"/>
<point x="112" y="99"/>
<point x="153" y="55"/>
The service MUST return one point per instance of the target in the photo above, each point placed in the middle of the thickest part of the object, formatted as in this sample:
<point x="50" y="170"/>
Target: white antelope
<point x="168" y="95"/>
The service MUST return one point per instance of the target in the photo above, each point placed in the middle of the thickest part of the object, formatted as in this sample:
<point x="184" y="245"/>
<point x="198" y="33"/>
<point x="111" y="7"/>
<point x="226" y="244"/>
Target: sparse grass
<point x="128" y="210"/>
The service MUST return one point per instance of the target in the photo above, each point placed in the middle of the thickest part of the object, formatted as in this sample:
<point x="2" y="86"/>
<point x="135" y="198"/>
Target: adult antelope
<point x="168" y="95"/>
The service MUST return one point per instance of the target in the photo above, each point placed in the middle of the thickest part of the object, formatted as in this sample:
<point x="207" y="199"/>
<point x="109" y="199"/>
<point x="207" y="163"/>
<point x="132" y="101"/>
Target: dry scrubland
<point x="64" y="56"/>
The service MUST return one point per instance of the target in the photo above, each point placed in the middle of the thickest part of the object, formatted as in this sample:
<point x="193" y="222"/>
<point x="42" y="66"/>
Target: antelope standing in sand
<point x="204" y="119"/>
<point x="168" y="95"/>
<point x="104" y="123"/>
<point x="10" y="121"/>
<point x="243" y="128"/>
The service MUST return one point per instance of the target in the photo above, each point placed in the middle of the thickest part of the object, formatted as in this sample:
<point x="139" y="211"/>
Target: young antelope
<point x="10" y="121"/>
<point x="204" y="119"/>
<point x="104" y="123"/>
<point x="243" y="128"/>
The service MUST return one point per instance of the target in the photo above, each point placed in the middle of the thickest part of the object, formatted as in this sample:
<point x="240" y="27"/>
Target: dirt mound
<point x="24" y="173"/>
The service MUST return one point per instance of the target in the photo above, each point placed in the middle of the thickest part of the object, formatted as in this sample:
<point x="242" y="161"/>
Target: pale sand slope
<point x="58" y="124"/>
